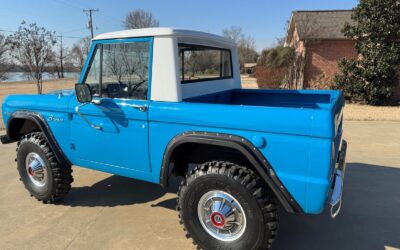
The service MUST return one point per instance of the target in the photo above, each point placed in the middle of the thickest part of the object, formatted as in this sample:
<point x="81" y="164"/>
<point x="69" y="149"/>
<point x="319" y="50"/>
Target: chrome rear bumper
<point x="336" y="199"/>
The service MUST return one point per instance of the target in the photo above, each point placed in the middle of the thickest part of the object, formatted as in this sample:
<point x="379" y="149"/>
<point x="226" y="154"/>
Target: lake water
<point x="20" y="76"/>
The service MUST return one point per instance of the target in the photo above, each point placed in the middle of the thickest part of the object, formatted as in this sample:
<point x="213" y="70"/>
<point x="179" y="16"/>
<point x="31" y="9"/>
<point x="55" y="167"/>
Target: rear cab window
<point x="204" y="63"/>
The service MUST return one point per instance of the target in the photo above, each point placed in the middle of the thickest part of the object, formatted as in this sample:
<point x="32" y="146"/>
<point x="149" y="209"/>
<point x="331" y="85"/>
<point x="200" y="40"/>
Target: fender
<point x="44" y="127"/>
<point x="257" y="159"/>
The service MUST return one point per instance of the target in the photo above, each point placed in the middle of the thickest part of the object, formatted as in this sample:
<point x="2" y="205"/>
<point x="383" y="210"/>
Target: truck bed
<point x="302" y="112"/>
<point x="272" y="98"/>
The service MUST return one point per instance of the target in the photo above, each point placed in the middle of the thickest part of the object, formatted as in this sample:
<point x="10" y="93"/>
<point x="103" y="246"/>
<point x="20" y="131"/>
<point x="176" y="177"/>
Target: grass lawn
<point x="357" y="112"/>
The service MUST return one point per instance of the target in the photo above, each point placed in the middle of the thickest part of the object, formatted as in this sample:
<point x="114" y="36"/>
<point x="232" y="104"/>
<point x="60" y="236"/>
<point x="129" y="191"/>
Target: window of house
<point x="120" y="70"/>
<point x="202" y="63"/>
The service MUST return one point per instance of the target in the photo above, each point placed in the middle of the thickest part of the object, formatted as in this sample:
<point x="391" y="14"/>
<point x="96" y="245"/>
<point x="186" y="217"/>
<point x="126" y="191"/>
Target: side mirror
<point x="83" y="93"/>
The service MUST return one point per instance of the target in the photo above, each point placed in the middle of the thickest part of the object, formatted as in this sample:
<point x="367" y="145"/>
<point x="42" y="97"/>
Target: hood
<point x="56" y="101"/>
<point x="62" y="92"/>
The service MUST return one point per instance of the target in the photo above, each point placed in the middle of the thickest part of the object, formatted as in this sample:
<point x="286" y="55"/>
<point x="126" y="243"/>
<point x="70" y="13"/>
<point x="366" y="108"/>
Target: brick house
<point x="319" y="43"/>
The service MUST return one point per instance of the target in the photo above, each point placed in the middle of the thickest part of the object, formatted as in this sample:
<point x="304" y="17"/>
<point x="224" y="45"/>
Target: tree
<point x="61" y="54"/>
<point x="32" y="48"/>
<point x="376" y="30"/>
<point x="4" y="66"/>
<point x="79" y="52"/>
<point x="138" y="19"/>
<point x="245" y="45"/>
<point x="234" y="33"/>
<point x="280" y="41"/>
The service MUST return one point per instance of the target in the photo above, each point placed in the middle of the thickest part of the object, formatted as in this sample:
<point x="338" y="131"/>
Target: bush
<point x="277" y="57"/>
<point x="372" y="77"/>
<point x="273" y="66"/>
<point x="270" y="78"/>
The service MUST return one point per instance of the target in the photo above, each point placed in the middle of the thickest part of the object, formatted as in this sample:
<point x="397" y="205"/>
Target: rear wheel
<point x="43" y="176"/>
<point x="226" y="206"/>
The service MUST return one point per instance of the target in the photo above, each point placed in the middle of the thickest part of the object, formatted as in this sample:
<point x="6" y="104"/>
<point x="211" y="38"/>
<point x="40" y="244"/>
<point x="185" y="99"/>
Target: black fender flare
<point x="255" y="157"/>
<point x="44" y="127"/>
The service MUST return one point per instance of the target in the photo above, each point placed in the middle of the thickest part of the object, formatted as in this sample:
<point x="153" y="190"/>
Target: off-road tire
<point x="258" y="203"/>
<point x="59" y="177"/>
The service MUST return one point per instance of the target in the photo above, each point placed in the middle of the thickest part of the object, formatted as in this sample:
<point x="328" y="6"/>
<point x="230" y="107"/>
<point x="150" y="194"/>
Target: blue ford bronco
<point x="152" y="103"/>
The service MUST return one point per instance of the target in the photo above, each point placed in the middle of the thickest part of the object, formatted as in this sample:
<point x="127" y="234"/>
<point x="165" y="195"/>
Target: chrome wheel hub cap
<point x="221" y="215"/>
<point x="36" y="169"/>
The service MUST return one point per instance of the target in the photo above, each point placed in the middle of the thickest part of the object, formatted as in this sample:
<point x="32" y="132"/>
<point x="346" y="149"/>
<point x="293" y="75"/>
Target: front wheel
<point x="226" y="206"/>
<point x="43" y="176"/>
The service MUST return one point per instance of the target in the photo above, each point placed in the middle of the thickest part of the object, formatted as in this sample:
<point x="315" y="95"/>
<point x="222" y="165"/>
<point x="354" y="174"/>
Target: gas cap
<point x="258" y="141"/>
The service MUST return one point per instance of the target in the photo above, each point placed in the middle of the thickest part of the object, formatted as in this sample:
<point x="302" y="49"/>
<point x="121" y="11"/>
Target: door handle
<point x="142" y="108"/>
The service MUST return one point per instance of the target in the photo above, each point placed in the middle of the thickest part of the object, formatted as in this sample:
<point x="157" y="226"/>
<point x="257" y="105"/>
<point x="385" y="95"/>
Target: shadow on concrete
<point x="119" y="191"/>
<point x="370" y="216"/>
<point x="170" y="204"/>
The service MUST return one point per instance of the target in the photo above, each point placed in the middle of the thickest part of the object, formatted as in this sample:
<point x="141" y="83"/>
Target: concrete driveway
<point x="104" y="211"/>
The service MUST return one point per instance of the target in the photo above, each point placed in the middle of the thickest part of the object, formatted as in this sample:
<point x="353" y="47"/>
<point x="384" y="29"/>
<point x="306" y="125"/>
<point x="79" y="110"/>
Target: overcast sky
<point x="263" y="19"/>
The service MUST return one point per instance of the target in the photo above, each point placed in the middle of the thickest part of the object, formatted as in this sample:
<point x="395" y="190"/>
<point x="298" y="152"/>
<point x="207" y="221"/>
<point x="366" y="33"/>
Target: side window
<point x="123" y="70"/>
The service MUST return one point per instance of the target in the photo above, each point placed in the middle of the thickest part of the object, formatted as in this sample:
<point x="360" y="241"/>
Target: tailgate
<point x="338" y="128"/>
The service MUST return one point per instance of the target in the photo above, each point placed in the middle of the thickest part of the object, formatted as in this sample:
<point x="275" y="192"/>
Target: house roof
<point x="161" y="32"/>
<point x="321" y="24"/>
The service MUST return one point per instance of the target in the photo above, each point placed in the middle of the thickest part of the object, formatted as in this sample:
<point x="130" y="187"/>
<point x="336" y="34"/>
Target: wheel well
<point x="19" y="127"/>
<point x="200" y="147"/>
<point x="196" y="153"/>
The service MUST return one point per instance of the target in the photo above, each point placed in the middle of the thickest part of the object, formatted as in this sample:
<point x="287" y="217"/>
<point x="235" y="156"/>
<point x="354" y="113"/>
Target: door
<point x="111" y="134"/>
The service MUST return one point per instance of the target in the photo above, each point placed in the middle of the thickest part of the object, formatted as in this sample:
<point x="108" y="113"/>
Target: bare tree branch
<point x="4" y="66"/>
<point x="138" y="19"/>
<point x="79" y="52"/>
<point x="246" y="45"/>
<point x="234" y="33"/>
<point x="32" y="48"/>
<point x="307" y="26"/>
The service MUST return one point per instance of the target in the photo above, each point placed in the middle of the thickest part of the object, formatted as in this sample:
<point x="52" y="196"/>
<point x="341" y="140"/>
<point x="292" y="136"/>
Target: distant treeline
<point x="68" y="67"/>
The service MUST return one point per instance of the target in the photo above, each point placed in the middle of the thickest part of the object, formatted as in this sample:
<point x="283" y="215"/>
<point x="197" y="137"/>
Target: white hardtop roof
<point x="159" y="32"/>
